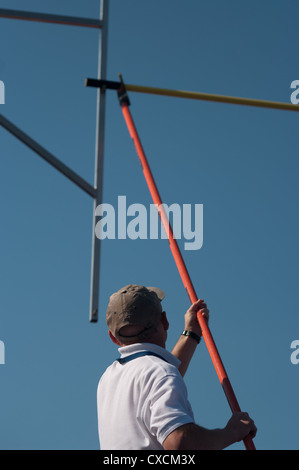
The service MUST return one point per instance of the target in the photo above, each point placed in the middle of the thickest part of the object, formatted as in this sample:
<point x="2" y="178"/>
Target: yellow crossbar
<point x="210" y="97"/>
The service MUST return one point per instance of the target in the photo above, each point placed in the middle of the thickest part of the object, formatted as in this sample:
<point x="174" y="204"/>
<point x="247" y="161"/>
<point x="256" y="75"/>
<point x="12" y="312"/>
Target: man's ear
<point x="164" y="321"/>
<point x="113" y="339"/>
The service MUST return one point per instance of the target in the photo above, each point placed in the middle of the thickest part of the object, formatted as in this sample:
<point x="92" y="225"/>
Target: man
<point x="142" y="397"/>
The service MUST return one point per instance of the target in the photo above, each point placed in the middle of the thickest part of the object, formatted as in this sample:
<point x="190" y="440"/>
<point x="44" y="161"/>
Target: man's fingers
<point x="198" y="305"/>
<point x="252" y="429"/>
<point x="204" y="311"/>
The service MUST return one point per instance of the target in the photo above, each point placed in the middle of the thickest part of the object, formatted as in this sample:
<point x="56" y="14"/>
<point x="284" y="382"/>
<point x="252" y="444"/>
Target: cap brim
<point x="158" y="291"/>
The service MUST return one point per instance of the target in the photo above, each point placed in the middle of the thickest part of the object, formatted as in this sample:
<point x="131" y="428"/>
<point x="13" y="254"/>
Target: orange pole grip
<point x="220" y="370"/>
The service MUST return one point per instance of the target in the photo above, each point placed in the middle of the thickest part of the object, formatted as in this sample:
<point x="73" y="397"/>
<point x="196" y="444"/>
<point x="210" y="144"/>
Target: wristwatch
<point x="193" y="335"/>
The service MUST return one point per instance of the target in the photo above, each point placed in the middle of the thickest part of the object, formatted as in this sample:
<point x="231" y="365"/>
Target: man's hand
<point x="185" y="347"/>
<point x="193" y="437"/>
<point x="239" y="426"/>
<point x="191" y="322"/>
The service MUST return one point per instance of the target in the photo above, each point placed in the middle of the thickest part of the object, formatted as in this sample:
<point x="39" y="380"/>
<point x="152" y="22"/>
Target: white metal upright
<point x="99" y="162"/>
<point x="95" y="191"/>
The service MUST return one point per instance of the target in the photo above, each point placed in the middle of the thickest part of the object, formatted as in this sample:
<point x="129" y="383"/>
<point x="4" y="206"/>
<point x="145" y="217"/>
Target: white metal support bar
<point x="47" y="156"/>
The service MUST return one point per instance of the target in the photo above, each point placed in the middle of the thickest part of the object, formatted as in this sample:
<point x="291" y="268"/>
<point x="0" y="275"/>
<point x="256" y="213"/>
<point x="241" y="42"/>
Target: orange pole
<point x="222" y="375"/>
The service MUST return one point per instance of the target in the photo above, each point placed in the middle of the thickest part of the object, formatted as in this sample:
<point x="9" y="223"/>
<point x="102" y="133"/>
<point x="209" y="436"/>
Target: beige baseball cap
<point x="134" y="305"/>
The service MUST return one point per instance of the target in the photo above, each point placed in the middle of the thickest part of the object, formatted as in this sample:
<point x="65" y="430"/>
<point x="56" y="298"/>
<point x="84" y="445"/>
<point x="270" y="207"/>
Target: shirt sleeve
<point x="167" y="407"/>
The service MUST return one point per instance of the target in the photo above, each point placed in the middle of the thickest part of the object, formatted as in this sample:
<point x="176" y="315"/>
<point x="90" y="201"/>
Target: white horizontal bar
<point x="48" y="18"/>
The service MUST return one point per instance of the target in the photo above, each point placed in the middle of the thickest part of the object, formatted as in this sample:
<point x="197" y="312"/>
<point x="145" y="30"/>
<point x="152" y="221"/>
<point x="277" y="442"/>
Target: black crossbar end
<point x="107" y="84"/>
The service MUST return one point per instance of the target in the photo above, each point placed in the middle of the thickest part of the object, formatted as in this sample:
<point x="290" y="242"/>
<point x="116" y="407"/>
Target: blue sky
<point x="239" y="162"/>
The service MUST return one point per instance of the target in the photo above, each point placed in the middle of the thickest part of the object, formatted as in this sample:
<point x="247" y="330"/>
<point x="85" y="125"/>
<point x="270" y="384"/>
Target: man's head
<point x="134" y="314"/>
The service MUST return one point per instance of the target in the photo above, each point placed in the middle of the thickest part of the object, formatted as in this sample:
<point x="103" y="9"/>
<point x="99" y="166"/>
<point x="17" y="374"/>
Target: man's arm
<point x="186" y="345"/>
<point x="194" y="437"/>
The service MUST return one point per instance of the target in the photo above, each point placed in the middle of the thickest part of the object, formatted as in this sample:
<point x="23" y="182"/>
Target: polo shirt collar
<point x="138" y="347"/>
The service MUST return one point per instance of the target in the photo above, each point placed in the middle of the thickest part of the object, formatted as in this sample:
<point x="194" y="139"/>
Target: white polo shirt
<point x="142" y="401"/>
